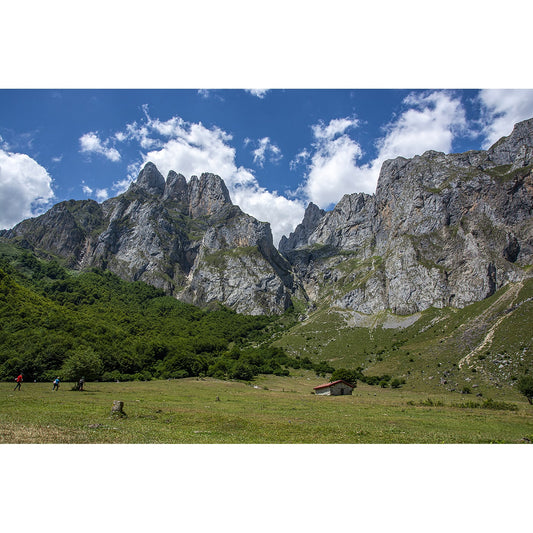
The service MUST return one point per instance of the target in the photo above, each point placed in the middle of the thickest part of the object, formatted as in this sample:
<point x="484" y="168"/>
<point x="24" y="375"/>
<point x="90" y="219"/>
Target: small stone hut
<point x="335" y="388"/>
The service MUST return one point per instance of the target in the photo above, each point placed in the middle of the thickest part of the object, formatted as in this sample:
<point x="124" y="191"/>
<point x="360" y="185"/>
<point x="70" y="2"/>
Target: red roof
<point x="333" y="383"/>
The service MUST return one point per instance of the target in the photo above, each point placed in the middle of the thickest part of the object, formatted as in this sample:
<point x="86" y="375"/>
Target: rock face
<point x="186" y="238"/>
<point x="440" y="230"/>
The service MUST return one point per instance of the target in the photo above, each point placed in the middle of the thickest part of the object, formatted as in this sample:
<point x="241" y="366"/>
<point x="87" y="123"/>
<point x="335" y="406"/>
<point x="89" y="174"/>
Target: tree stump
<point x="117" y="408"/>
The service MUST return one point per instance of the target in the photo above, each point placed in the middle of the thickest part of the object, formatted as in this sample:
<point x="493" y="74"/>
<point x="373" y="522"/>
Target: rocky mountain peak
<point x="520" y="142"/>
<point x="207" y="195"/>
<point x="176" y="188"/>
<point x="313" y="215"/>
<point x="440" y="230"/>
<point x="150" y="180"/>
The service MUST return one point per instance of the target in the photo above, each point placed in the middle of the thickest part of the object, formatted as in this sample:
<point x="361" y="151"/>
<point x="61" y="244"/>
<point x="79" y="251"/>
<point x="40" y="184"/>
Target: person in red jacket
<point x="19" y="382"/>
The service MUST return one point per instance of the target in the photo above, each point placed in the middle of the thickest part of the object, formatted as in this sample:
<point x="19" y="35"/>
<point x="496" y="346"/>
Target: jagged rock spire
<point x="207" y="195"/>
<point x="150" y="180"/>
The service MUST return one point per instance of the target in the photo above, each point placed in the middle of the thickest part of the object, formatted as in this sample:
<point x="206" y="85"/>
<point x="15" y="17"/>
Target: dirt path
<point x="508" y="298"/>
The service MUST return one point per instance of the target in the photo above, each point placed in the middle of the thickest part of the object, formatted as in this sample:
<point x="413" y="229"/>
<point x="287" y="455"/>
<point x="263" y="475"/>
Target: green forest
<point x="57" y="322"/>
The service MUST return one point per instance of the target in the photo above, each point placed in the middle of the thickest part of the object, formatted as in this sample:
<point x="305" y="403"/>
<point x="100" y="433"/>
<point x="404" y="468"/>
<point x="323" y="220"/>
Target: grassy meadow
<point x="270" y="409"/>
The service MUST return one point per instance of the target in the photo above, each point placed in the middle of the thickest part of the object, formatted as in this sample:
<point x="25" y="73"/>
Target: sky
<point x="276" y="149"/>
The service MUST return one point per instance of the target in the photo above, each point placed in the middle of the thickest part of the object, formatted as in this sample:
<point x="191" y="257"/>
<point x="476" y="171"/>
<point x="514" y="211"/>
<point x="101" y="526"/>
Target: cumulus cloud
<point x="501" y="110"/>
<point x="282" y="213"/>
<point x="336" y="126"/>
<point x="87" y="190"/>
<point x="260" y="93"/>
<point x="91" y="143"/>
<point x="102" y="194"/>
<point x="25" y="188"/>
<point x="430" y="121"/>
<point x="266" y="149"/>
<point x="332" y="170"/>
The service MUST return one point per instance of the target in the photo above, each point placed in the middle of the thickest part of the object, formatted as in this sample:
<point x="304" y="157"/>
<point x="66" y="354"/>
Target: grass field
<point x="270" y="410"/>
<point x="485" y="346"/>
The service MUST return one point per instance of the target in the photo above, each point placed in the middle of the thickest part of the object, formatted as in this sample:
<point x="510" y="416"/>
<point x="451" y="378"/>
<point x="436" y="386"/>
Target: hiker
<point x="80" y="383"/>
<point x="56" y="384"/>
<point x="19" y="382"/>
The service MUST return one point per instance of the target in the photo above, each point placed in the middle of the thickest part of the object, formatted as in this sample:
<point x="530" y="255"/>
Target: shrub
<point x="489" y="404"/>
<point x="114" y="375"/>
<point x="432" y="403"/>
<point x="323" y="368"/>
<point x="525" y="386"/>
<point x="396" y="383"/>
<point x="351" y="376"/>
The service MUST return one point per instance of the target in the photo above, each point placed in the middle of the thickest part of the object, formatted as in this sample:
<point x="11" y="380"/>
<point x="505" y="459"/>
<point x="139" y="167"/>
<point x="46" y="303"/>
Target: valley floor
<point x="269" y="410"/>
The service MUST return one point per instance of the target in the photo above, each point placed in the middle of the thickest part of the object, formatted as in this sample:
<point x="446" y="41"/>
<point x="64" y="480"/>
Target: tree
<point x="351" y="376"/>
<point x="242" y="372"/>
<point x="525" y="386"/>
<point x="82" y="363"/>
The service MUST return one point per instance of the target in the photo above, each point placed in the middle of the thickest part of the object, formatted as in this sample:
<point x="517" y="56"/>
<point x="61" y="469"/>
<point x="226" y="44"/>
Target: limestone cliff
<point x="441" y="230"/>
<point x="186" y="238"/>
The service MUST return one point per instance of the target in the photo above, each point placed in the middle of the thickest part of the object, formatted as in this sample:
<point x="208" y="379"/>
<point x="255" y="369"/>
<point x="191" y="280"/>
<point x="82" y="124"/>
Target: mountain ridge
<point x="441" y="230"/>
<point x="186" y="238"/>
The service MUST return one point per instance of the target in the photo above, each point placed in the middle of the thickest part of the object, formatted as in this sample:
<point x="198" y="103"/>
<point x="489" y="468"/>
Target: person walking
<point x="56" y="384"/>
<point x="19" y="382"/>
<point x="80" y="383"/>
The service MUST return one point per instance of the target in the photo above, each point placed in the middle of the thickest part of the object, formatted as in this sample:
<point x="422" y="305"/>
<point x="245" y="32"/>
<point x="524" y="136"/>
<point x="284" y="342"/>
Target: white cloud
<point x="57" y="159"/>
<point x="333" y="169"/>
<point x="25" y="188"/>
<point x="283" y="214"/>
<point x="210" y="93"/>
<point x="300" y="158"/>
<point x="91" y="143"/>
<point x="502" y="109"/>
<point x="265" y="148"/>
<point x="337" y="126"/>
<point x="102" y="195"/>
<point x="430" y="121"/>
<point x="260" y="93"/>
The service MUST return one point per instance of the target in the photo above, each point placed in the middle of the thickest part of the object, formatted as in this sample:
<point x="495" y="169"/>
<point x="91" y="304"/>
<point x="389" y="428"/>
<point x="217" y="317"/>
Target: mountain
<point x="185" y="238"/>
<point x="441" y="230"/>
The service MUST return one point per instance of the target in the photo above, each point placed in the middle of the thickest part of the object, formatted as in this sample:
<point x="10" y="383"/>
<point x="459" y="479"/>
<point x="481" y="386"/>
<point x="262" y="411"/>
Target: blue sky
<point x="276" y="149"/>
